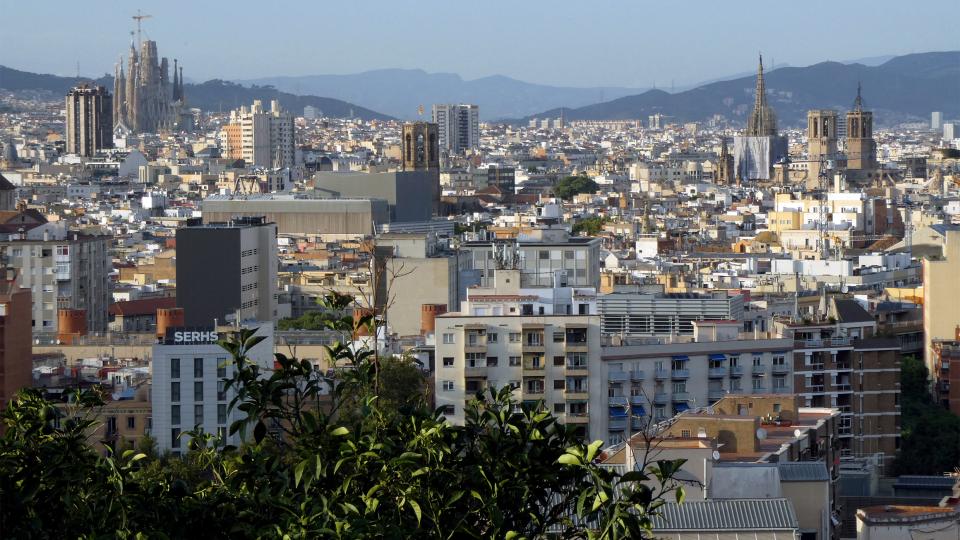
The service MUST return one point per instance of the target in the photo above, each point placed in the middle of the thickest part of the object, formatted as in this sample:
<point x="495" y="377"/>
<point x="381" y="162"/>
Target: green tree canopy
<point x="573" y="185"/>
<point x="930" y="434"/>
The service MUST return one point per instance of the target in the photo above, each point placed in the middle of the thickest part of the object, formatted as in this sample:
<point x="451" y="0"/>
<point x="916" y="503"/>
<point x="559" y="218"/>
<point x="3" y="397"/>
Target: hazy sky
<point x="579" y="43"/>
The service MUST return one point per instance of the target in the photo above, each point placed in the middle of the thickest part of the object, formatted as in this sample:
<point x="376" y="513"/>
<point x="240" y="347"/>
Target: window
<point x="734" y="384"/>
<point x="175" y="414"/>
<point x="174" y="391"/>
<point x="558" y="360"/>
<point x="734" y="360"/>
<point x="716" y="364"/>
<point x="577" y="360"/>
<point x="198" y="391"/>
<point x="559" y="384"/>
<point x="448" y="339"/>
<point x="777" y="408"/>
<point x="679" y="387"/>
<point x="779" y="382"/>
<point x="685" y="433"/>
<point x="492" y="337"/>
<point x="447" y="386"/>
<point x="447" y="361"/>
<point x="678" y="364"/>
<point x="514" y="361"/>
<point x="131" y="422"/>
<point x="559" y="408"/>
<point x="757" y="360"/>
<point x="475" y="360"/>
<point x="221" y="414"/>
<point x="757" y="383"/>
<point x="659" y="413"/>
<point x="175" y="438"/>
<point x="492" y="361"/>
<point x="174" y="368"/>
<point x="779" y="360"/>
<point x="448" y="410"/>
<point x="221" y="390"/>
<point x="514" y="337"/>
<point x="558" y="337"/>
<point x="221" y="367"/>
<point x="198" y="368"/>
<point x="111" y="425"/>
<point x="222" y="433"/>
<point x="198" y="415"/>
<point x="543" y="255"/>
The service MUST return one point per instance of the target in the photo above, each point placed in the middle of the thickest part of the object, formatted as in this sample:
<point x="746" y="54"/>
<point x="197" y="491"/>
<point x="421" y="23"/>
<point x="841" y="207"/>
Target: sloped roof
<point x="803" y="471"/>
<point x="849" y="311"/>
<point x="727" y="515"/>
<point x="5" y="184"/>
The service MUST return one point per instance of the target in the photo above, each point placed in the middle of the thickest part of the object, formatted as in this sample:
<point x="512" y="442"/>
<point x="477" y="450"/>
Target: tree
<point x="930" y="434"/>
<point x="573" y="185"/>
<point x="343" y="465"/>
<point x="590" y="226"/>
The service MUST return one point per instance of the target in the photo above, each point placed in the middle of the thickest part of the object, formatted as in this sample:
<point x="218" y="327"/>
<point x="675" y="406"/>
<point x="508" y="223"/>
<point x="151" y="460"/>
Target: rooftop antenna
<point x="140" y="17"/>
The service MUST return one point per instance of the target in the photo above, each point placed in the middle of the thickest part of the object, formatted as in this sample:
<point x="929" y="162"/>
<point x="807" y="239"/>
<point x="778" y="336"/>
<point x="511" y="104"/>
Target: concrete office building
<point x="266" y="137"/>
<point x="652" y="383"/>
<point x="188" y="384"/>
<point x="936" y="120"/>
<point x="16" y="357"/>
<point x="630" y="314"/>
<point x="542" y="255"/>
<point x="63" y="270"/>
<point x="89" y="120"/>
<point x="226" y="270"/>
<point x="542" y="341"/>
<point x="410" y="194"/>
<point x="458" y="127"/>
<point x="300" y="214"/>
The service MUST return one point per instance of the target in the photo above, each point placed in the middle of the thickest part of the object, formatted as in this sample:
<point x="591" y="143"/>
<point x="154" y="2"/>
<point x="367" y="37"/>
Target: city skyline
<point x="586" y="49"/>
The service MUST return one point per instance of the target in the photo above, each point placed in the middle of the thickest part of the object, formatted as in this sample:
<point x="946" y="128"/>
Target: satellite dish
<point x="761" y="434"/>
<point x="845" y="289"/>
<point x="716" y="455"/>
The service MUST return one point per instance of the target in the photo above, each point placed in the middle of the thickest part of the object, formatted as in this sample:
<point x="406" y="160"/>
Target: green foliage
<point x="311" y="320"/>
<point x="365" y="460"/>
<point x="590" y="226"/>
<point x="573" y="185"/>
<point x="930" y="434"/>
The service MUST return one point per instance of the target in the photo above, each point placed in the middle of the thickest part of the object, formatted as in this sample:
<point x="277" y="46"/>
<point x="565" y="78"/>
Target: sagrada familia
<point x="145" y="100"/>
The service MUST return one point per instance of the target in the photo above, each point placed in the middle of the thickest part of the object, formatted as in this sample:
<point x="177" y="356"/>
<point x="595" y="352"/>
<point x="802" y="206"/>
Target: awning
<point x="720" y="357"/>
<point x="680" y="357"/>
<point x="618" y="412"/>
<point x="680" y="407"/>
<point x="639" y="410"/>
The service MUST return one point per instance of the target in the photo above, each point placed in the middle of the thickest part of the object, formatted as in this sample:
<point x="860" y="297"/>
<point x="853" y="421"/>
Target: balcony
<point x="661" y="374"/>
<point x="533" y="390"/>
<point x="822" y="343"/>
<point x="617" y="401"/>
<point x="618" y="423"/>
<point x="758" y="370"/>
<point x="815" y="388"/>
<point x="530" y="370"/>
<point x="714" y="395"/>
<point x="618" y="376"/>
<point x="476" y="371"/>
<point x="661" y="398"/>
<point x="638" y="399"/>
<point x="717" y="373"/>
<point x="576" y="418"/>
<point x="736" y="390"/>
<point x="781" y="390"/>
<point x="681" y="396"/>
<point x="576" y="394"/>
<point x="637" y="375"/>
<point x="577" y="369"/>
<point x="736" y="371"/>
<point x="780" y="369"/>
<point x="680" y="374"/>
<point x="842" y="387"/>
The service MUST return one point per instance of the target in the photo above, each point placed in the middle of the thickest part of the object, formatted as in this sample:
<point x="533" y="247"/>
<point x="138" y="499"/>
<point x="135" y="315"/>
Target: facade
<point x="946" y="372"/>
<point x="755" y="153"/>
<point x="941" y="288"/>
<point x="420" y="147"/>
<point x="145" y="99"/>
<point x="458" y="127"/>
<point x="542" y="255"/>
<point x="301" y="215"/>
<point x="893" y="522"/>
<point x="412" y="195"/>
<point x="737" y="519"/>
<point x="16" y="357"/>
<point x="266" y="137"/>
<point x="541" y="341"/>
<point x="629" y="314"/>
<point x="188" y="391"/>
<point x="89" y="120"/>
<point x="63" y="270"/>
<point x="227" y="269"/>
<point x="647" y="383"/>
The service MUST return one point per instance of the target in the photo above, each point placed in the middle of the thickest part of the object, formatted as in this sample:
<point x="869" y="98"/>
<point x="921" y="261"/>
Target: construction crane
<point x="140" y="17"/>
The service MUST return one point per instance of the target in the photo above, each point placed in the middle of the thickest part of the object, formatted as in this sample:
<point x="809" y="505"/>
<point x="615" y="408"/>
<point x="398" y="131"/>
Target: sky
<point x="632" y="43"/>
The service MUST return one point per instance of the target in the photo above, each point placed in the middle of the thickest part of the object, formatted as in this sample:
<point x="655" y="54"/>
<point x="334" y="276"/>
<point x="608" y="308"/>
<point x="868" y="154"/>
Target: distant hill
<point x="904" y="88"/>
<point x="210" y="96"/>
<point x="399" y="92"/>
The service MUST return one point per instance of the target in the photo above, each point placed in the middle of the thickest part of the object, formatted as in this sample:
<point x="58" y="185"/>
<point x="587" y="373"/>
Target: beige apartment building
<point x="544" y="342"/>
<point x="941" y="290"/>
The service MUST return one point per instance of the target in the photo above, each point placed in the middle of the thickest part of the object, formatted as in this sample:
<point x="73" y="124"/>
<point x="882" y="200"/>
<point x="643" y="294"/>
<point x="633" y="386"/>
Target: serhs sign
<point x="191" y="336"/>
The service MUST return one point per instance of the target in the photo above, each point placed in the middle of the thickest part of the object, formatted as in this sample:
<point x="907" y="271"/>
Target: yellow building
<point x="941" y="291"/>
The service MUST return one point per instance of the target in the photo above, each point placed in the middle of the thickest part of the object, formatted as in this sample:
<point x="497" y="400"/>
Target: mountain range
<point x="399" y="92"/>
<point x="901" y="89"/>
<point x="898" y="89"/>
<point x="213" y="95"/>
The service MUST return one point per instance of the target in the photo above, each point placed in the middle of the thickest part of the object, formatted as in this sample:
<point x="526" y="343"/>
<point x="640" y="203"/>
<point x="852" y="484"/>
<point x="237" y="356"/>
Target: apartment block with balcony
<point x="652" y="383"/>
<point x="946" y="372"/>
<point x="544" y="342"/>
<point x="839" y="364"/>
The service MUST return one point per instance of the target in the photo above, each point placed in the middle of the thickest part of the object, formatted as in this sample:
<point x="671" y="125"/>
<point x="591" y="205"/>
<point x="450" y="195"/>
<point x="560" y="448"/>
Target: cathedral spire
<point x="763" y="121"/>
<point x="858" y="102"/>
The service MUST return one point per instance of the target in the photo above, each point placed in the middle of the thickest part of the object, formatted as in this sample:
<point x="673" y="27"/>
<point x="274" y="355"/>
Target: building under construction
<point x="145" y="98"/>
